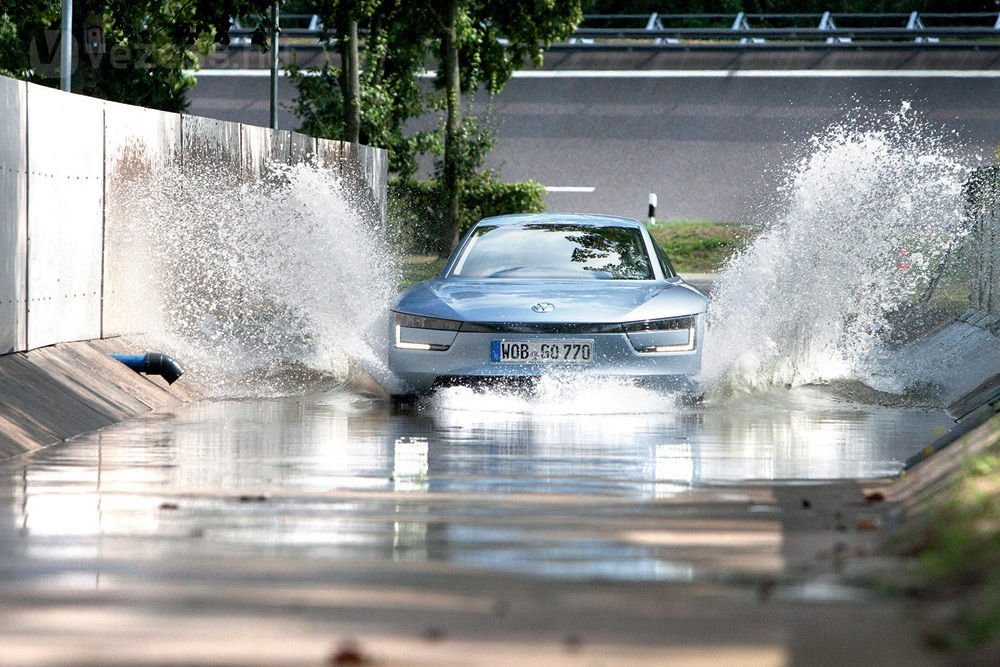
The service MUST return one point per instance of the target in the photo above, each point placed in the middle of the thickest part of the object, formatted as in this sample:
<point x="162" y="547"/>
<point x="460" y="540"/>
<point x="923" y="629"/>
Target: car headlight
<point x="416" y="332"/>
<point x="674" y="334"/>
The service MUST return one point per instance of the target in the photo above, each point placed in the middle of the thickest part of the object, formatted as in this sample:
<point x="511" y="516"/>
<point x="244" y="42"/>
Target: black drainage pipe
<point x="152" y="363"/>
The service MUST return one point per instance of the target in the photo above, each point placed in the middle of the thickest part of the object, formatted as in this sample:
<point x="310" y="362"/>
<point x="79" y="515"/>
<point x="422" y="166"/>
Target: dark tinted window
<point x="555" y="251"/>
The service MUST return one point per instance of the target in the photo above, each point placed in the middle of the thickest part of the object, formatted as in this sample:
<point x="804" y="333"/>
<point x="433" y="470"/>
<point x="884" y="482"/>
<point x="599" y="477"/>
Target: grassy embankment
<point x="693" y="246"/>
<point x="957" y="554"/>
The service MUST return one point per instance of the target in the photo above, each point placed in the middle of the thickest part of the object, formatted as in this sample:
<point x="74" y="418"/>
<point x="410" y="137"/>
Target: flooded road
<point x="254" y="476"/>
<point x="477" y="530"/>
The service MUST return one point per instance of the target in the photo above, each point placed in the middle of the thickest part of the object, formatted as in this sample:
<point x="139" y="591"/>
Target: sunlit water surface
<point x="308" y="478"/>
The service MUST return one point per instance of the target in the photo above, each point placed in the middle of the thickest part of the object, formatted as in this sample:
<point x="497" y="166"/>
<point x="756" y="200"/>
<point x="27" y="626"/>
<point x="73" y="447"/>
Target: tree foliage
<point x="395" y="53"/>
<point x="416" y="205"/>
<point x="482" y="42"/>
<point x="144" y="48"/>
<point x="526" y="27"/>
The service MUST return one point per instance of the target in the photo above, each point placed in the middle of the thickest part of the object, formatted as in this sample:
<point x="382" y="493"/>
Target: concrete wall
<point x="984" y="208"/>
<point x="67" y="166"/>
<point x="65" y="216"/>
<point x="138" y="145"/>
<point x="13" y="215"/>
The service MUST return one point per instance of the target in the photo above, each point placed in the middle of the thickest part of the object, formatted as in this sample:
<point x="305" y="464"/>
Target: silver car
<point x="526" y="295"/>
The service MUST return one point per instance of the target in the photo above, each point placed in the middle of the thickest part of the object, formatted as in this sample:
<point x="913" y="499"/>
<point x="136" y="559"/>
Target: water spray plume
<point x="265" y="287"/>
<point x="272" y="286"/>
<point x="870" y="217"/>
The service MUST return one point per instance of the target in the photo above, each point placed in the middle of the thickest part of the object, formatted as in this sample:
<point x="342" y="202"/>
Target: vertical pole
<point x="274" y="66"/>
<point x="66" y="47"/>
<point x="453" y="125"/>
<point x="352" y="69"/>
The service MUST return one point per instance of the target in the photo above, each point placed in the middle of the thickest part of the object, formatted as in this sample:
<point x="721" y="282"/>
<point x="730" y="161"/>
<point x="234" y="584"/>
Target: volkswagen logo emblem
<point x="543" y="307"/>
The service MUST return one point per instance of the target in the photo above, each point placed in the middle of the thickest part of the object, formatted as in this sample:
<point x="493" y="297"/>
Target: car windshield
<point x="555" y="250"/>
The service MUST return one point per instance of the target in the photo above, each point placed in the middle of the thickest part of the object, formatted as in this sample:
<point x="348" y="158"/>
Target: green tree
<point x="476" y="43"/>
<point x="20" y="22"/>
<point x="343" y="17"/>
<point x="388" y="91"/>
<point x="482" y="43"/>
<point x="143" y="50"/>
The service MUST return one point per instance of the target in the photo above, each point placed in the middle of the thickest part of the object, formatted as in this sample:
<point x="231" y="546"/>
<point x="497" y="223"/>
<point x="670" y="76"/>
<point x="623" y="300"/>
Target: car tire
<point x="403" y="403"/>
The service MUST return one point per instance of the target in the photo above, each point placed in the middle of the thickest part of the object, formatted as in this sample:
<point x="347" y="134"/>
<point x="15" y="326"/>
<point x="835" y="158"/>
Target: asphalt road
<point x="711" y="133"/>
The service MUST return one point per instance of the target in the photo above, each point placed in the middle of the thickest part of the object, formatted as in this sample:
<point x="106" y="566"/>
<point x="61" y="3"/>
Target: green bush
<point x="416" y="208"/>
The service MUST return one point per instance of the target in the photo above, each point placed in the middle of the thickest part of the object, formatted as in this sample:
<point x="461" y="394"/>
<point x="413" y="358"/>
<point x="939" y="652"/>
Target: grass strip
<point x="697" y="246"/>
<point x="956" y="548"/>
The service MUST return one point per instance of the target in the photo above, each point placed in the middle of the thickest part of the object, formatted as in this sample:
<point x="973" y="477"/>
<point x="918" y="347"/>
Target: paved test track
<point x="708" y="131"/>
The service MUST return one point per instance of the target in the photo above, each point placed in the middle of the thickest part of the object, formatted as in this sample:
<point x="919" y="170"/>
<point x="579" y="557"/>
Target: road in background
<point x="709" y="131"/>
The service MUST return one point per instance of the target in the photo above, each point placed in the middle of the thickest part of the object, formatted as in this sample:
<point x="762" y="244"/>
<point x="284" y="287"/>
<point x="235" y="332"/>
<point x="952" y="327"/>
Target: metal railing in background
<point x="307" y="28"/>
<point x="826" y="28"/>
<point x="737" y="30"/>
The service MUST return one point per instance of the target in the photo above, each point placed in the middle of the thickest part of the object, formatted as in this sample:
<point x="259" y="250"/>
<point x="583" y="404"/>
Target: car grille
<point x="668" y="324"/>
<point x="541" y="328"/>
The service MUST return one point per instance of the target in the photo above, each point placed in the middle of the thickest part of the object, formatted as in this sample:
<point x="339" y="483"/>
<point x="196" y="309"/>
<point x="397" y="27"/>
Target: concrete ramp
<point x="956" y="358"/>
<point x="54" y="393"/>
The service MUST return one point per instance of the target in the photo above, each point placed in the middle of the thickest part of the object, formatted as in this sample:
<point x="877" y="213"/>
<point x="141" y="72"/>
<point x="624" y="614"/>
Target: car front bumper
<point x="469" y="358"/>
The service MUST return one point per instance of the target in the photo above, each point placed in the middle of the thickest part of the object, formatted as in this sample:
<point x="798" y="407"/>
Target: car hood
<point x="573" y="301"/>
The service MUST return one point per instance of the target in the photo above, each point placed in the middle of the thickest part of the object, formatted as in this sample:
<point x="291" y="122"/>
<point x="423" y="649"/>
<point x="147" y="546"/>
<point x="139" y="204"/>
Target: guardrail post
<point x="654" y="23"/>
<point x="826" y="22"/>
<point x="916" y="24"/>
<point x="741" y="23"/>
<point x="580" y="40"/>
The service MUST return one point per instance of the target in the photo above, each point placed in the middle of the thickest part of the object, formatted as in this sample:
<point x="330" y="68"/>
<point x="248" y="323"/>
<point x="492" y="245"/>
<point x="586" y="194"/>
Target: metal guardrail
<point x="826" y="27"/>
<point x="741" y="29"/>
<point x="308" y="26"/>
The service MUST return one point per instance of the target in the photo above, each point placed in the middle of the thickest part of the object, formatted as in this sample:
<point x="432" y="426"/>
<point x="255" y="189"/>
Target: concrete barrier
<point x="56" y="392"/>
<point x="71" y="255"/>
<point x="67" y="165"/>
<point x="139" y="144"/>
<point x="13" y="215"/>
<point x="65" y="216"/>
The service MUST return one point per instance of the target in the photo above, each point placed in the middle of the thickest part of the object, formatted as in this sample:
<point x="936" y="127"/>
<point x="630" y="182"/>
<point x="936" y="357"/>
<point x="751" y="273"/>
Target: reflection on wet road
<point x="501" y="483"/>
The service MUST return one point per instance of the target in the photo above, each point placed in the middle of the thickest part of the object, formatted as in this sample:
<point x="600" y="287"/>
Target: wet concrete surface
<point x="475" y="530"/>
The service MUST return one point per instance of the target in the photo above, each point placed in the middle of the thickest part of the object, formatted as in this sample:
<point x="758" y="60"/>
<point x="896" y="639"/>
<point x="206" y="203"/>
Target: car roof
<point x="575" y="218"/>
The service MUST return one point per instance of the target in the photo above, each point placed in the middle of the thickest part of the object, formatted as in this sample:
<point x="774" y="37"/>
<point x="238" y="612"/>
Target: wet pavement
<point x="332" y="510"/>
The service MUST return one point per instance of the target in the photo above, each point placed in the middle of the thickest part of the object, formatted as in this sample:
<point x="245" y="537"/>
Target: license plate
<point x="542" y="351"/>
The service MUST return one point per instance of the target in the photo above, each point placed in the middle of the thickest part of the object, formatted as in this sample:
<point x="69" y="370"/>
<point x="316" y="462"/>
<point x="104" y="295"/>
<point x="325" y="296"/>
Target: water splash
<point x="273" y="286"/>
<point x="555" y="395"/>
<point x="871" y="217"/>
<point x="263" y="287"/>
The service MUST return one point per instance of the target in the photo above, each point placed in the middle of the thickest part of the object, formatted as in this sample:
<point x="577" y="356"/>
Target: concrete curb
<point x="934" y="475"/>
<point x="53" y="393"/>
